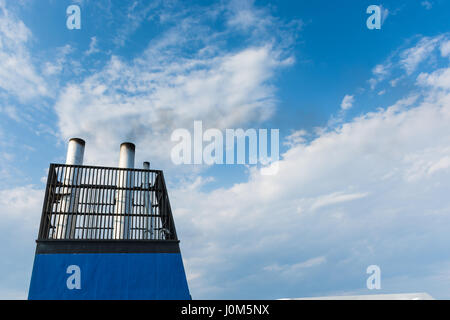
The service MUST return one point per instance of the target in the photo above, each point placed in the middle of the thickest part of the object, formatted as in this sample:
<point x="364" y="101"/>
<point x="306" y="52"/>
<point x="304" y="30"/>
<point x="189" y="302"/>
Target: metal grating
<point x="101" y="203"/>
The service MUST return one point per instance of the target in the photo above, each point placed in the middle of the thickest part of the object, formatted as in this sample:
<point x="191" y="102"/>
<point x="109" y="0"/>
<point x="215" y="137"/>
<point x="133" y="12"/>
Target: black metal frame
<point x="81" y="203"/>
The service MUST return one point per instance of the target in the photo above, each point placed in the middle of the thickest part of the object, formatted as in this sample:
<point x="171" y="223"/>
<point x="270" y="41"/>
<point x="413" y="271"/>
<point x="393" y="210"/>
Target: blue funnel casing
<point x="107" y="233"/>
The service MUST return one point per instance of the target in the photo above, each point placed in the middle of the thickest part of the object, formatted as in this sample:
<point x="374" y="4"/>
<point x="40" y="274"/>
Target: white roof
<point x="396" y="296"/>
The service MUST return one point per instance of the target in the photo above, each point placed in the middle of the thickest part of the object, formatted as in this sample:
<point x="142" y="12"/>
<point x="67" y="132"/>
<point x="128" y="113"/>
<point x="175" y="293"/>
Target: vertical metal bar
<point x="58" y="206"/>
<point x="109" y="206"/>
<point x="85" y="205"/>
<point x="97" y="201"/>
<point x="45" y="218"/>
<point x="108" y="211"/>
<point x="169" y="209"/>
<point x="61" y="234"/>
<point x="84" y="194"/>
<point x="153" y="218"/>
<point x="102" y="205"/>
<point x="87" y="196"/>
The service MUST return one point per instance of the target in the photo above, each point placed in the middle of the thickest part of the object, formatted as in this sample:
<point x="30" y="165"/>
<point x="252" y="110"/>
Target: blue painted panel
<point x="110" y="276"/>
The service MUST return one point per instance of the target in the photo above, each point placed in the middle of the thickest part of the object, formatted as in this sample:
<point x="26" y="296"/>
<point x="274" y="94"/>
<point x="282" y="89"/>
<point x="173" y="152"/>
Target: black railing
<point x="101" y="203"/>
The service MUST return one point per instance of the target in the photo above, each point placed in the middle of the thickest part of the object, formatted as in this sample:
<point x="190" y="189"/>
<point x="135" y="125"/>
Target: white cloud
<point x="445" y="49"/>
<point x="293" y="270"/>
<point x="380" y="72"/>
<point x="59" y="63"/>
<point x="20" y="211"/>
<point x="404" y="62"/>
<point x="438" y="79"/>
<point x="18" y="75"/>
<point x="394" y="82"/>
<point x="380" y="69"/>
<point x="244" y="16"/>
<point x="427" y="4"/>
<point x="11" y="112"/>
<point x="335" y="198"/>
<point x="20" y="204"/>
<point x="92" y="47"/>
<point x="347" y="102"/>
<point x="411" y="58"/>
<point x="441" y="164"/>
<point x="140" y="103"/>
<point x="164" y="88"/>
<point x="295" y="138"/>
<point x="136" y="14"/>
<point x="373" y="190"/>
<point x="384" y="14"/>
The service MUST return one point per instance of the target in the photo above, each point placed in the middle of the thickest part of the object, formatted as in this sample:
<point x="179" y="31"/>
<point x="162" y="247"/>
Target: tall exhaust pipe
<point x="126" y="158"/>
<point x="75" y="152"/>
<point x="124" y="203"/>
<point x="66" y="222"/>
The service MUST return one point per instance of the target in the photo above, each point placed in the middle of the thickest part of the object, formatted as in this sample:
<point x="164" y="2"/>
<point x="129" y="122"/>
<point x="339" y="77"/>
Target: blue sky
<point x="363" y="117"/>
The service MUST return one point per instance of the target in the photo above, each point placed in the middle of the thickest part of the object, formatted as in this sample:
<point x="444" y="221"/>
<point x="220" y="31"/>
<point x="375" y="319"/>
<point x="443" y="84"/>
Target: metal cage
<point x="102" y="203"/>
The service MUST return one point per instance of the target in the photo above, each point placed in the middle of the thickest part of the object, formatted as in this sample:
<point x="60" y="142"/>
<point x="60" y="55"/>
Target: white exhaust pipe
<point x="124" y="198"/>
<point x="75" y="152"/>
<point x="66" y="222"/>
<point x="126" y="159"/>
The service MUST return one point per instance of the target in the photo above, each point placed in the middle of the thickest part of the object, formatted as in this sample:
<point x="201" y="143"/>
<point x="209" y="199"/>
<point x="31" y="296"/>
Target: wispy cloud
<point x="92" y="47"/>
<point x="347" y="102"/>
<point x="350" y="187"/>
<point x="57" y="66"/>
<point x="406" y="61"/>
<point x="18" y="76"/>
<point x="293" y="270"/>
<point x="11" y="112"/>
<point x="135" y="14"/>
<point x="411" y="58"/>
<point x="445" y="48"/>
<point x="427" y="4"/>
<point x="335" y="198"/>
<point x="166" y="87"/>
<point x="437" y="79"/>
